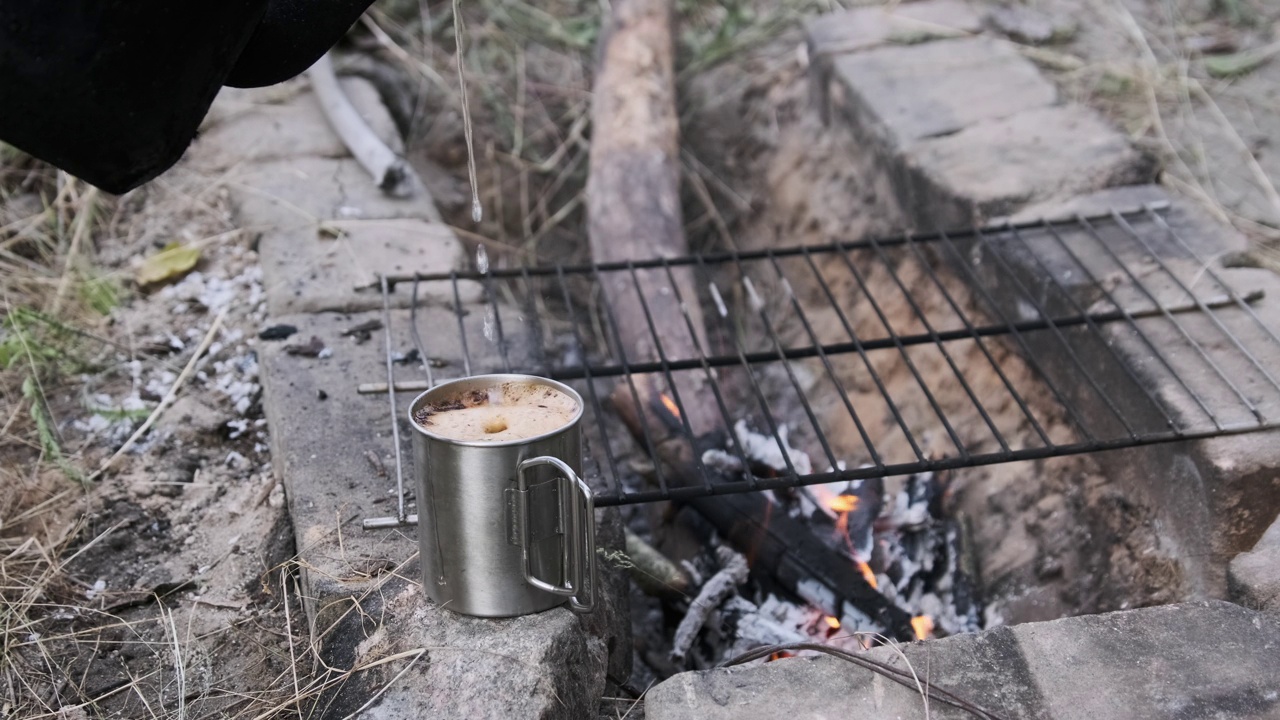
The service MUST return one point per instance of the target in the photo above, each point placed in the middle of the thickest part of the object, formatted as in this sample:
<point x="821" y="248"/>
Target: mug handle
<point x="578" y="561"/>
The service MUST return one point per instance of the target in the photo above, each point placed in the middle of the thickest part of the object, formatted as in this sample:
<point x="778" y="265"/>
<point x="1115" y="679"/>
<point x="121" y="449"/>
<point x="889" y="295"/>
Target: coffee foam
<point x="508" y="411"/>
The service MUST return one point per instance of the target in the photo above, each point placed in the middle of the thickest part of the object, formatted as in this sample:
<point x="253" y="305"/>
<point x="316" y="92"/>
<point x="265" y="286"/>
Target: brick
<point x="1253" y="578"/>
<point x="335" y="458"/>
<point x="899" y="95"/>
<point x="1195" y="660"/>
<point x="306" y="271"/>
<point x="862" y="28"/>
<point x="992" y="168"/>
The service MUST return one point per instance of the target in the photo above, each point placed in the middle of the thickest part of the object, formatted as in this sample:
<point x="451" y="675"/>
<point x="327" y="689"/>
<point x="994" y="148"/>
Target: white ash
<point x="764" y="449"/>
<point x="98" y="588"/>
<point x="217" y="293"/>
<point x="733" y="572"/>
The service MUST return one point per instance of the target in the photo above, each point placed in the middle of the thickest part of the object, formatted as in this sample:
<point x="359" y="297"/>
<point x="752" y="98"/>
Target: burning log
<point x="781" y="550"/>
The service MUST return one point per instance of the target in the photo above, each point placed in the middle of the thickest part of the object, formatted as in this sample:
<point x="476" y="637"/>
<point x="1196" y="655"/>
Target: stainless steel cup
<point x="505" y="528"/>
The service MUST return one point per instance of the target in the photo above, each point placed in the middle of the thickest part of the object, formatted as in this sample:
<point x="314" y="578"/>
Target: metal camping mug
<point x="505" y="527"/>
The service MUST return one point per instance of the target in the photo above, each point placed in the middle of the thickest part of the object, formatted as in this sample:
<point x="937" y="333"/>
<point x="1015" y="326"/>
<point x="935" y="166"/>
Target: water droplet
<point x="490" y="324"/>
<point x="482" y="260"/>
<point x="477" y="212"/>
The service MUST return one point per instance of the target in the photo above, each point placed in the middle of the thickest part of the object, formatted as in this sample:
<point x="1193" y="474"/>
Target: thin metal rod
<point x="942" y="348"/>
<point x="462" y="326"/>
<point x="627" y="375"/>
<point x="391" y="398"/>
<point x="723" y="312"/>
<point x="976" y="283"/>
<point x="722" y="257"/>
<point x="826" y="364"/>
<point x="1097" y="331"/>
<point x="964" y="320"/>
<point x="1057" y="333"/>
<point x="711" y="376"/>
<point x="671" y="381"/>
<point x="906" y="358"/>
<point x="801" y="394"/>
<point x="1131" y="322"/>
<point x="1200" y="350"/>
<point x="938" y="465"/>
<point x="860" y="348"/>
<point x="417" y="337"/>
<point x="1239" y="301"/>
<point x="1213" y="317"/>
<point x="590" y="383"/>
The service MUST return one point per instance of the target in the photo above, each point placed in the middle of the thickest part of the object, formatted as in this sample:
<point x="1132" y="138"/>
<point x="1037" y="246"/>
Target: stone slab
<point x="1253" y="578"/>
<point x="992" y="168"/>
<point x="862" y="28"/>
<point x="333" y="451"/>
<point x="247" y="126"/>
<point x="1206" y="500"/>
<point x="1210" y="659"/>
<point x="900" y="95"/>
<point x="310" y="191"/>
<point x="542" y="666"/>
<point x="308" y="271"/>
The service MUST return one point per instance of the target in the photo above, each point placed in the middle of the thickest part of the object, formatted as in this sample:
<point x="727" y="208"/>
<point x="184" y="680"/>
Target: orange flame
<point x="832" y="623"/>
<point x="670" y="405"/>
<point x="779" y="655"/>
<point x="923" y="625"/>
<point x="870" y="576"/>
<point x="843" y="503"/>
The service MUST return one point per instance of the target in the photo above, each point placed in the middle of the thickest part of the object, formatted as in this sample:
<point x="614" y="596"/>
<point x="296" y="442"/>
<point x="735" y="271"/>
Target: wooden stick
<point x="633" y="196"/>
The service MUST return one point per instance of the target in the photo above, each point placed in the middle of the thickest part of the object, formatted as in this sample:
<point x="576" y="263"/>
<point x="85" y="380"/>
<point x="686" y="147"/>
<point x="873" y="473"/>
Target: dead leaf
<point x="1241" y="63"/>
<point x="174" y="261"/>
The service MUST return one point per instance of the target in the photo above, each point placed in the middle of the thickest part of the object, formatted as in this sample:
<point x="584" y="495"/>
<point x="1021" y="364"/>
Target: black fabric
<point x="292" y="36"/>
<point x="113" y="91"/>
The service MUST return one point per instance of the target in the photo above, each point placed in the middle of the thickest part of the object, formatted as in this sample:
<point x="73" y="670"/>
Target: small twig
<point x="390" y="171"/>
<point x="168" y="398"/>
<point x="733" y="572"/>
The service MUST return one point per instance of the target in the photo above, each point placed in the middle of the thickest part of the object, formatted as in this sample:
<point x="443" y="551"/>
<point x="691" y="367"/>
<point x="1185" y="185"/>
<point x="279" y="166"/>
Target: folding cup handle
<point x="578" y="560"/>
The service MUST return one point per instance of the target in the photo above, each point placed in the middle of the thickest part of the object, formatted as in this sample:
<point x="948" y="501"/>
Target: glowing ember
<point x="779" y="655"/>
<point x="843" y="503"/>
<point x="832" y="623"/>
<point x="870" y="577"/>
<point x="923" y="625"/>
<point x="670" y="405"/>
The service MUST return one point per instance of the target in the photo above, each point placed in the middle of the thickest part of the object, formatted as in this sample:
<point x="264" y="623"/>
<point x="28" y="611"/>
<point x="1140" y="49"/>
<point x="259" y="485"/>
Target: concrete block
<point x="1253" y="578"/>
<point x="899" y="95"/>
<point x="307" y="271"/>
<point x="1210" y="659"/>
<point x="1206" y="500"/>
<point x="541" y="666"/>
<point x="260" y="125"/>
<point x="992" y="168"/>
<point x="333" y="451"/>
<point x="305" y="192"/>
<point x="862" y="28"/>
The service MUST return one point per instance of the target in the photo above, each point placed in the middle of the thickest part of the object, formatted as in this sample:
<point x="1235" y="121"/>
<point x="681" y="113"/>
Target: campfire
<point x="790" y="431"/>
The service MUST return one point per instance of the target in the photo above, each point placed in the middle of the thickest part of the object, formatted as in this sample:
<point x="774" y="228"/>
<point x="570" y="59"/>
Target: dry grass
<point x="1163" y="95"/>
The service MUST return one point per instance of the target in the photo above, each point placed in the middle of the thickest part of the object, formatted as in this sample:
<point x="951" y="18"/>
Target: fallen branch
<point x="391" y="172"/>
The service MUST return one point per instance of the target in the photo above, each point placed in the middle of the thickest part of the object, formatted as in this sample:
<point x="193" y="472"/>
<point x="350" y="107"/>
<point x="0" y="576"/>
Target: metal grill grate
<point x="881" y="356"/>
